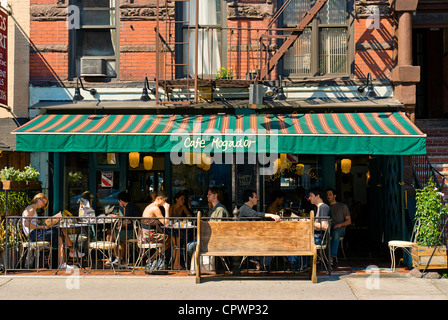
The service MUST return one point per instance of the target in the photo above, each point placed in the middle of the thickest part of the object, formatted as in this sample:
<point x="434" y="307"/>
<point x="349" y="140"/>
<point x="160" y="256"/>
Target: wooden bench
<point x="255" y="238"/>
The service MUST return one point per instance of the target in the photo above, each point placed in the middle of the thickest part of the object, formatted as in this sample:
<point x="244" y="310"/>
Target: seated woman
<point x="150" y="231"/>
<point x="36" y="232"/>
<point x="179" y="209"/>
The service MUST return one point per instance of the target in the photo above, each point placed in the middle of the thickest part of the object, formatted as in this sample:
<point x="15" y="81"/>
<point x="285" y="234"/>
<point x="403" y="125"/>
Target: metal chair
<point x="323" y="252"/>
<point x="145" y="248"/>
<point x="405" y="245"/>
<point x="31" y="248"/>
<point x="104" y="247"/>
<point x="341" y="245"/>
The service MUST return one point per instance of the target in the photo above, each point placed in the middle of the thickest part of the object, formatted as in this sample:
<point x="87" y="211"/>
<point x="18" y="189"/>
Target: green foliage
<point x="224" y="73"/>
<point x="28" y="174"/>
<point x="14" y="202"/>
<point x="31" y="174"/>
<point x="429" y="211"/>
<point x="9" y="174"/>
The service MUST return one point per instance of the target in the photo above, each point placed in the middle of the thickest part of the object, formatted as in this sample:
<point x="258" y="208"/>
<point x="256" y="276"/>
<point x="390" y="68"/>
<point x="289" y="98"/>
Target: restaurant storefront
<point x="358" y="154"/>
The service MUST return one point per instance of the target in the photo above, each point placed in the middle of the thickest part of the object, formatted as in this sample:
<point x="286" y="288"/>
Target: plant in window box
<point x="9" y="178"/>
<point x="429" y="212"/>
<point x="21" y="180"/>
<point x="32" y="178"/>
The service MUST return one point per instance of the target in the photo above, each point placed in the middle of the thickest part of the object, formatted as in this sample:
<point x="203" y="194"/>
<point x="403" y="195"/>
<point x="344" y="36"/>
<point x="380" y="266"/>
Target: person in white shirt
<point x="36" y="232"/>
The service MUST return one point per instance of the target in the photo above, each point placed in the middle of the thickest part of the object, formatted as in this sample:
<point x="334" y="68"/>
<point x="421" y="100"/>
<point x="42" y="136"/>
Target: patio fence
<point x="100" y="240"/>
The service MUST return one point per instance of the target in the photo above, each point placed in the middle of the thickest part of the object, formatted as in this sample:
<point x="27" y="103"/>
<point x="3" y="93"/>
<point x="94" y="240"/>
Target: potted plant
<point x="429" y="211"/>
<point x="9" y="176"/>
<point x="224" y="73"/>
<point x="32" y="178"/>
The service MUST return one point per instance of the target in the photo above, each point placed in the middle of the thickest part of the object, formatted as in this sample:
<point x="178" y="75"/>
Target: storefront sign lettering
<point x="227" y="147"/>
<point x="218" y="143"/>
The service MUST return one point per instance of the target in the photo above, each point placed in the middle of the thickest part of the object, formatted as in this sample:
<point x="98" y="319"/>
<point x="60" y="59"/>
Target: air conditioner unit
<point x="91" y="67"/>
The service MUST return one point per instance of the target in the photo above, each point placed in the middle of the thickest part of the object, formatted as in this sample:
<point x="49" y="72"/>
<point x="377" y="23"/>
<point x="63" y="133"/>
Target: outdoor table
<point x="78" y="227"/>
<point x="180" y="232"/>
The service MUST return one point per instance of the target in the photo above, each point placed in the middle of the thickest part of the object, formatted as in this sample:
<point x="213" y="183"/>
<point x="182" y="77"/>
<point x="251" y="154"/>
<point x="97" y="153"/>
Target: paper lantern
<point x="111" y="159"/>
<point x="300" y="168"/>
<point x="148" y="162"/>
<point x="134" y="159"/>
<point x="346" y="165"/>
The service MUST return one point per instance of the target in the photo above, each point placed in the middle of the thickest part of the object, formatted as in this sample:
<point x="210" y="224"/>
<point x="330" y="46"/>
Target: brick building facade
<point x="351" y="45"/>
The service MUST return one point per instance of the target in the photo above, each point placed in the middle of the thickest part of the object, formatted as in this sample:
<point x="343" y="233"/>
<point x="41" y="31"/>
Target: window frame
<point x="75" y="37"/>
<point x="182" y="29"/>
<point x="315" y="47"/>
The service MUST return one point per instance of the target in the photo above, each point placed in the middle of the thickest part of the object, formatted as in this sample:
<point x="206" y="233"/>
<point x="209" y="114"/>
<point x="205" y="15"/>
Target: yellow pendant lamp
<point x="346" y="165"/>
<point x="300" y="168"/>
<point x="134" y="159"/>
<point x="148" y="162"/>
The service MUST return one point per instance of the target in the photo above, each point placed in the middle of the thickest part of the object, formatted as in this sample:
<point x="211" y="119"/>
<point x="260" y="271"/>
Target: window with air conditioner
<point x="323" y="49"/>
<point x="94" y="43"/>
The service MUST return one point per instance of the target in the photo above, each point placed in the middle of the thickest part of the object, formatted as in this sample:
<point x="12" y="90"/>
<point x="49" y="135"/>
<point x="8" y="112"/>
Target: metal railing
<point x="153" y="245"/>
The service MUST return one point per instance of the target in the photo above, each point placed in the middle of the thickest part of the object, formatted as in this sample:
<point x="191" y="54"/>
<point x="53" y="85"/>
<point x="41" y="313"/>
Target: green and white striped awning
<point x="383" y="133"/>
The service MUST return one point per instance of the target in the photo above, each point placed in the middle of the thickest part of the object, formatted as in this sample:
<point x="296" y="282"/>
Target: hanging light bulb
<point x="148" y="162"/>
<point x="134" y="159"/>
<point x="346" y="165"/>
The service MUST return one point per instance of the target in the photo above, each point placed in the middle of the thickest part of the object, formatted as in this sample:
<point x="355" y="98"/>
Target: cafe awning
<point x="382" y="133"/>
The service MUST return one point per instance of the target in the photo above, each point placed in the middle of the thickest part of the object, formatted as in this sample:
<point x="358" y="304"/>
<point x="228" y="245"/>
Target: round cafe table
<point x="179" y="233"/>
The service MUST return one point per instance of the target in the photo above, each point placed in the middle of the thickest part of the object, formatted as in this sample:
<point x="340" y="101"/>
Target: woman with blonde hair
<point x="36" y="232"/>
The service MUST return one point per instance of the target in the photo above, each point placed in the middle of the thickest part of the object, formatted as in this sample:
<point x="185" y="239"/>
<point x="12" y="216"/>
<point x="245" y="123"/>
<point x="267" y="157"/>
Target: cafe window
<point x="294" y="171"/>
<point x="323" y="48"/>
<point x="210" y="37"/>
<point x="76" y="179"/>
<point x="94" y="39"/>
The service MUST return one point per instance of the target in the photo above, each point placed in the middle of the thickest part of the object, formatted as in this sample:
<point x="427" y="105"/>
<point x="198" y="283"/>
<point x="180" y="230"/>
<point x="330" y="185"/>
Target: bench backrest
<point x="255" y="237"/>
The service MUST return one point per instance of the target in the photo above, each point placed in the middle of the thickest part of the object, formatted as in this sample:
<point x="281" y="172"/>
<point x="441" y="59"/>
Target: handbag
<point x="157" y="266"/>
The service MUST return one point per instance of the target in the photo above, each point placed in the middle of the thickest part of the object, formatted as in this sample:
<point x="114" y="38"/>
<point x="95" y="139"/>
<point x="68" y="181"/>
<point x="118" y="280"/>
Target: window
<point x="210" y="37"/>
<point x="94" y="43"/>
<point x="322" y="49"/>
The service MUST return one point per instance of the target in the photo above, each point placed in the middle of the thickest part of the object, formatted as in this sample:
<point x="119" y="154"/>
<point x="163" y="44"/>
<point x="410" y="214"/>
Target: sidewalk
<point x="372" y="285"/>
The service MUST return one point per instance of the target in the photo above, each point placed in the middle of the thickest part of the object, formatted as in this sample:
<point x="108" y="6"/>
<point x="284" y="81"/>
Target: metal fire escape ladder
<point x="296" y="32"/>
<point x="166" y="65"/>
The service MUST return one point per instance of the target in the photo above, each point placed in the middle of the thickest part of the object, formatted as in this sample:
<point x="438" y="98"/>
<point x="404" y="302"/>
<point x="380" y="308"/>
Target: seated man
<point x="341" y="219"/>
<point x="250" y="199"/>
<point x="127" y="229"/>
<point x="320" y="225"/>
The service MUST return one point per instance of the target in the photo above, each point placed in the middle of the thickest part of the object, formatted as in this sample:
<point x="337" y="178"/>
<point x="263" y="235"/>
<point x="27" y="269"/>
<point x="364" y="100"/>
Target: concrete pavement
<point x="355" y="286"/>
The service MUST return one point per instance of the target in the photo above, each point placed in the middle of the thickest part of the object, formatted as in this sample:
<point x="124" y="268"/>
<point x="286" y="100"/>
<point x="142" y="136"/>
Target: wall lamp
<point x="277" y="91"/>
<point x="369" y="85"/>
<point x="78" y="96"/>
<point x="145" y="96"/>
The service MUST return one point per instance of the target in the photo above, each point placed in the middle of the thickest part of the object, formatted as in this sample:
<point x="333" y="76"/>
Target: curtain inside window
<point x="209" y="39"/>
<point x="333" y="51"/>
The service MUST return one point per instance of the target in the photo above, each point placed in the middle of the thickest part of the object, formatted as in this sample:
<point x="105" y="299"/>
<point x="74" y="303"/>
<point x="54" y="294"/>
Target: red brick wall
<point x="48" y="65"/>
<point x="138" y="58"/>
<point x="137" y="50"/>
<point x="378" y="62"/>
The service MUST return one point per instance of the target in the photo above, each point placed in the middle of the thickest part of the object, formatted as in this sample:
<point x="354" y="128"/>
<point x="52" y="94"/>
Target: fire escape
<point x="178" y="79"/>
